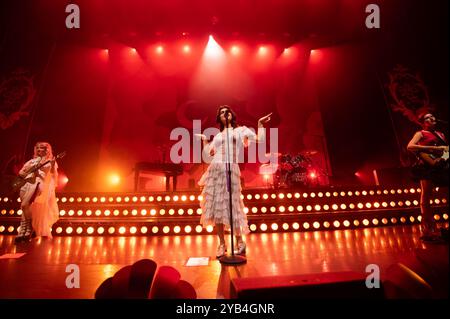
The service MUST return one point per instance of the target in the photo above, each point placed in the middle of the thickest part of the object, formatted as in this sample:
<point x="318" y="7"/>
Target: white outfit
<point x="215" y="193"/>
<point x="38" y="199"/>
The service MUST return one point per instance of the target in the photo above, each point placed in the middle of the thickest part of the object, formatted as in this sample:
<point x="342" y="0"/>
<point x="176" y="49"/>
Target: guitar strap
<point x="440" y="139"/>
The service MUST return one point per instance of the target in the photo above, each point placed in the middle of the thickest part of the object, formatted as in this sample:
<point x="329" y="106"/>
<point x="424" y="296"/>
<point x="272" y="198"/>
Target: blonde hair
<point x="49" y="154"/>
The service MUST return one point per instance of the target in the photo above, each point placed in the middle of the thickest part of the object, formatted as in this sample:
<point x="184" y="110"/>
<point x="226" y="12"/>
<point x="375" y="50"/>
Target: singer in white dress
<point x="215" y="191"/>
<point x="37" y="196"/>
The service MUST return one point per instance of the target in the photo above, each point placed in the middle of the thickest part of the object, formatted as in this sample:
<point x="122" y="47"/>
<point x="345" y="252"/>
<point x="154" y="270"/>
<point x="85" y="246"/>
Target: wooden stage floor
<point x="41" y="272"/>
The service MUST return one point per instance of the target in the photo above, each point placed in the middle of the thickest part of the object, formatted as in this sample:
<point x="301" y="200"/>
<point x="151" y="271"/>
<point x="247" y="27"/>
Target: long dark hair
<point x="233" y="117"/>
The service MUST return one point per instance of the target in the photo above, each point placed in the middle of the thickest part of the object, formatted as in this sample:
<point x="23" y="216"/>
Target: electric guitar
<point x="434" y="159"/>
<point x="19" y="181"/>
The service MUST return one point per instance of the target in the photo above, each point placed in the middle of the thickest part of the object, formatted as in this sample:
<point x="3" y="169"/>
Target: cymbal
<point x="309" y="152"/>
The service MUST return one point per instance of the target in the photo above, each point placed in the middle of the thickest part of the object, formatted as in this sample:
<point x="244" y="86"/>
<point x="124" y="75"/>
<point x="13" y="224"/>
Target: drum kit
<point x="291" y="170"/>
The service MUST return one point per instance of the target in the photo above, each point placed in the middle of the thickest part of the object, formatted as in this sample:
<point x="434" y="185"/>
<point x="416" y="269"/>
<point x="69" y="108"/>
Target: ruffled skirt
<point x="215" y="198"/>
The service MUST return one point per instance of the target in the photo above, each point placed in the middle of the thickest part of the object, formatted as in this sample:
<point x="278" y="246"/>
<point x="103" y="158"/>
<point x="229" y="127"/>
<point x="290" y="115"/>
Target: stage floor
<point x="41" y="272"/>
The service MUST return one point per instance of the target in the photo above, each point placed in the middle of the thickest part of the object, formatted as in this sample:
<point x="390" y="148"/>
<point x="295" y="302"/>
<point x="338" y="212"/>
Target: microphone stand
<point x="230" y="259"/>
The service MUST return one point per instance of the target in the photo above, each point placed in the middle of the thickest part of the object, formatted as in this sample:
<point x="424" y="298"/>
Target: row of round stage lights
<point x="186" y="49"/>
<point x="254" y="210"/>
<point x="265" y="196"/>
<point x="263" y="227"/>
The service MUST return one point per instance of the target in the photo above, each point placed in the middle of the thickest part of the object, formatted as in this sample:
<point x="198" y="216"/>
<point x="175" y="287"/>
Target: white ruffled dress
<point x="215" y="191"/>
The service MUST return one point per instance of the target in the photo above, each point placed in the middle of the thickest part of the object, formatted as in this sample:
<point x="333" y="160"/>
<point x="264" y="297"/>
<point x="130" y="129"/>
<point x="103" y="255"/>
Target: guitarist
<point x="431" y="169"/>
<point x="37" y="195"/>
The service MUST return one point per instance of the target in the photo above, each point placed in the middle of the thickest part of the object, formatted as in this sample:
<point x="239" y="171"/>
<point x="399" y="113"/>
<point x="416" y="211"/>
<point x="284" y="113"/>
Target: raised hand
<point x="265" y="119"/>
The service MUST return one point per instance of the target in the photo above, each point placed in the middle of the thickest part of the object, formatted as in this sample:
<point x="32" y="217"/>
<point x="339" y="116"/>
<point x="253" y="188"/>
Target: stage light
<point x="171" y="211"/>
<point x="392" y="204"/>
<point x="371" y="192"/>
<point x="384" y="204"/>
<point x="11" y="229"/>
<point x="133" y="50"/>
<point x="257" y="196"/>
<point x="342" y="194"/>
<point x="306" y="225"/>
<point x="62" y="212"/>
<point x="200" y="198"/>
<point x="400" y="203"/>
<point x="180" y="211"/>
<point x="192" y="197"/>
<point x="69" y="230"/>
<point x="159" y="198"/>
<point x="107" y="212"/>
<point x="122" y="230"/>
<point x="444" y="201"/>
<point x="167" y="198"/>
<point x="79" y="212"/>
<point x="155" y="229"/>
<point x="375" y="221"/>
<point x="412" y="190"/>
<point x="394" y="220"/>
<point x="289" y="195"/>
<point x="263" y="210"/>
<point x="365" y="222"/>
<point x="326" y="207"/>
<point x="187" y="229"/>
<point x="282" y="209"/>
<point x="253" y="227"/>
<point x="11" y="211"/>
<point x="305" y="195"/>
<point x="437" y="217"/>
<point x="273" y="196"/>
<point x="198" y="228"/>
<point x="159" y="49"/>
<point x="162" y="212"/>
<point x="291" y="208"/>
<point x="296" y="226"/>
<point x="3" y="211"/>
<point x="2" y="229"/>
<point x="393" y="191"/>
<point x="209" y="228"/>
<point x="368" y="205"/>
<point x="336" y="223"/>
<point x="281" y="196"/>
<point x="254" y="210"/>
<point x="144" y="230"/>
<point x="309" y="208"/>
<point x="71" y="212"/>
<point x="297" y="195"/>
<point x="166" y="229"/>
<point x="364" y="193"/>
<point x="235" y="50"/>
<point x="190" y="211"/>
<point x="186" y="49"/>
<point x="357" y="193"/>
<point x="79" y="199"/>
<point x="273" y="209"/>
<point x="346" y="223"/>
<point x="88" y="212"/>
<point x="356" y="222"/>
<point x="411" y="219"/>
<point x="143" y="212"/>
<point x="334" y="206"/>
<point x="199" y="211"/>
<point x="58" y="230"/>
<point x="90" y="230"/>
<point x="100" y="230"/>
<point x="111" y="230"/>
<point x="274" y="226"/>
<point x="437" y="201"/>
<point x="351" y="206"/>
<point x="300" y="208"/>
<point x="151" y="198"/>
<point x="183" y="198"/>
<point x="403" y="220"/>
<point x="263" y="227"/>
<point x="285" y="226"/>
<point x="445" y="216"/>
<point x="262" y="50"/>
<point x="384" y="221"/>
<point x="350" y="193"/>
<point x="343" y="206"/>
<point x="312" y="195"/>
<point x="376" y="205"/>
<point x="326" y="224"/>
<point x="335" y="194"/>
<point x="64" y="199"/>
